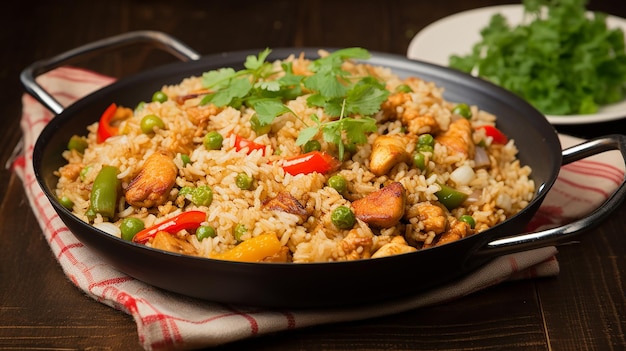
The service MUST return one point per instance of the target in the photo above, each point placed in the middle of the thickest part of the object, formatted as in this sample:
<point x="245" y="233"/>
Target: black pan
<point x="287" y="285"/>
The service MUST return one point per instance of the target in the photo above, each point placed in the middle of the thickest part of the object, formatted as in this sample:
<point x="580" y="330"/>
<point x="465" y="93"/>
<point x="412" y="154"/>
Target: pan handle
<point x="560" y="234"/>
<point x="160" y="40"/>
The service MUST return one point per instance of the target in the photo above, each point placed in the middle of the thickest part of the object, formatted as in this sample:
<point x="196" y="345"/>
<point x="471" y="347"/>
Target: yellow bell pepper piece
<point x="252" y="250"/>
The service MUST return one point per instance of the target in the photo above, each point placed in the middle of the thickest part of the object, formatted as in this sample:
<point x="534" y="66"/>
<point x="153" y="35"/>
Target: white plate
<point x="457" y="34"/>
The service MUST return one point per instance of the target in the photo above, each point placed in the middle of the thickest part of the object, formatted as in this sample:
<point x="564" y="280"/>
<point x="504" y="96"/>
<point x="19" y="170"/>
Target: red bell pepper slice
<point x="241" y="143"/>
<point x="496" y="135"/>
<point x="185" y="220"/>
<point x="314" y="161"/>
<point x="105" y="128"/>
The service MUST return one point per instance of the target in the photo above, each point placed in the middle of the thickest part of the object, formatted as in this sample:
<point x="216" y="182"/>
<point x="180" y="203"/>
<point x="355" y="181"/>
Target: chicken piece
<point x="383" y="208"/>
<point x="396" y="246"/>
<point x="388" y="151"/>
<point x="151" y="187"/>
<point x="285" y="202"/>
<point x="400" y="106"/>
<point x="200" y="116"/>
<point x="458" y="138"/>
<point x="70" y="171"/>
<point x="457" y="230"/>
<point x="432" y="217"/>
<point x="168" y="242"/>
<point x="356" y="246"/>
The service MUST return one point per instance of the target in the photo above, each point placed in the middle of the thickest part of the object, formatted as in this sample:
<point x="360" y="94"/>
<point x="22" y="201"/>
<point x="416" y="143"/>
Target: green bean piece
<point x="131" y="226"/>
<point x="259" y="127"/>
<point x="159" y="96"/>
<point x="213" y="140"/>
<point x="311" y="145"/>
<point x="104" y="191"/>
<point x="338" y="182"/>
<point x="450" y="197"/>
<point x="91" y="214"/>
<point x="240" y="230"/>
<point x="419" y="160"/>
<point x="149" y="122"/>
<point x="202" y="195"/>
<point x="205" y="231"/>
<point x="343" y="217"/>
<point x="243" y="181"/>
<point x="77" y="143"/>
<point x="463" y="110"/>
<point x="66" y="202"/>
<point x="469" y="220"/>
<point x="83" y="173"/>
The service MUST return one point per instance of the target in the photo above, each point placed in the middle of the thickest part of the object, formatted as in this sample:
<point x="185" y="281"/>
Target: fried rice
<point x="297" y="209"/>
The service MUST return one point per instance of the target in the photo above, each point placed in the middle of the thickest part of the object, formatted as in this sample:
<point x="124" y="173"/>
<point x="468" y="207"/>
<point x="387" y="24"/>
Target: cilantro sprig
<point x="562" y="60"/>
<point x="348" y="101"/>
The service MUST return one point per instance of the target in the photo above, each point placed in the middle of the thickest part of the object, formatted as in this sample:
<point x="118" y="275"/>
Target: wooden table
<point x="583" y="308"/>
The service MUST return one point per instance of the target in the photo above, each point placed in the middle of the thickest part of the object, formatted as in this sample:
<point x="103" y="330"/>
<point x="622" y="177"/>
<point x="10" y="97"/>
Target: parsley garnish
<point x="565" y="62"/>
<point x="348" y="101"/>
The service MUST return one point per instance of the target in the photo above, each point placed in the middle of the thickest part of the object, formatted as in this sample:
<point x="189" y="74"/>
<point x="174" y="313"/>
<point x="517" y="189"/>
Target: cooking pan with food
<point x="318" y="284"/>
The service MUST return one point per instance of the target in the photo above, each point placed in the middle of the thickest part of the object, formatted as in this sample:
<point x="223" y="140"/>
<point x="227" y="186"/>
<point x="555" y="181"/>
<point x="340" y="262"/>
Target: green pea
<point x="426" y="139"/>
<point x="66" y="202"/>
<point x="312" y="145"/>
<point x="259" y="127"/>
<point x="425" y="148"/>
<point x="159" y="96"/>
<point x="240" y="230"/>
<point x="403" y="88"/>
<point x="185" y="158"/>
<point x="131" y="226"/>
<point x="186" y="190"/>
<point x="149" y="122"/>
<point x="469" y="220"/>
<point x="463" y="110"/>
<point x="243" y="181"/>
<point x="205" y="231"/>
<point x="343" y="217"/>
<point x="202" y="196"/>
<point x="338" y="182"/>
<point x="419" y="160"/>
<point x="140" y="106"/>
<point x="213" y="140"/>
<point x="77" y="143"/>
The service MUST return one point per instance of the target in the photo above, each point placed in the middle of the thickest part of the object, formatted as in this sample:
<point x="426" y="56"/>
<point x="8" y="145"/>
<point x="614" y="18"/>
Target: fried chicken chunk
<point x="396" y="246"/>
<point x="383" y="208"/>
<point x="458" y="138"/>
<point x="152" y="185"/>
<point x="388" y="151"/>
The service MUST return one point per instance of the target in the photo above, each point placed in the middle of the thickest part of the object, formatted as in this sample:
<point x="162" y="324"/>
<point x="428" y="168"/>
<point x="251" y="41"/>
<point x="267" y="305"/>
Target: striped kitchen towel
<point x="169" y="321"/>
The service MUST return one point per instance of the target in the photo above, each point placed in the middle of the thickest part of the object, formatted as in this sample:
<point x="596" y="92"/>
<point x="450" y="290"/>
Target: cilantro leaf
<point x="566" y="62"/>
<point x="268" y="109"/>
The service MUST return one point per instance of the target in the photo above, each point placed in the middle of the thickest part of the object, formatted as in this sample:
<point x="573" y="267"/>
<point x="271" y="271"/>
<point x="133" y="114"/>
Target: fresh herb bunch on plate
<point x="562" y="59"/>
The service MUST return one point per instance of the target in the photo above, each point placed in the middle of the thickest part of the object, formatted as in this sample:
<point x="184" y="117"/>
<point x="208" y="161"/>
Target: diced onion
<point x="109" y="228"/>
<point x="481" y="159"/>
<point x="462" y="175"/>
